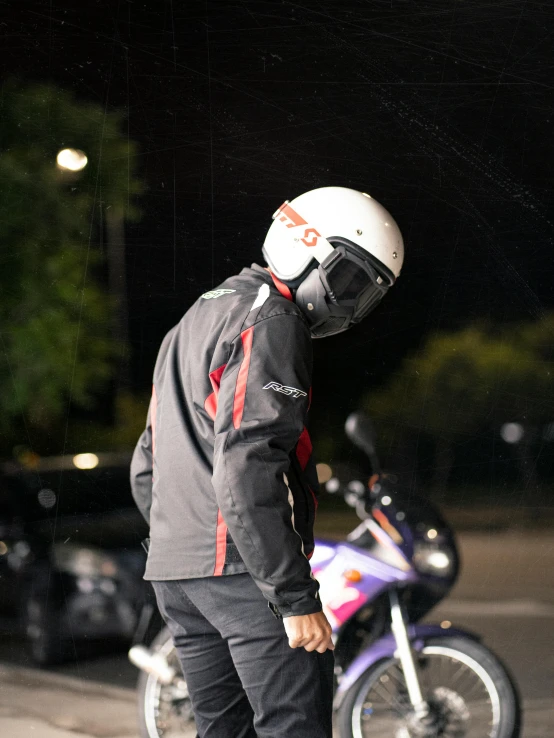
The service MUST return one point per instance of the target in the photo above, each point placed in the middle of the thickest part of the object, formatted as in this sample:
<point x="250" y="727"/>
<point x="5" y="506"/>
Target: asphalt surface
<point x="505" y="593"/>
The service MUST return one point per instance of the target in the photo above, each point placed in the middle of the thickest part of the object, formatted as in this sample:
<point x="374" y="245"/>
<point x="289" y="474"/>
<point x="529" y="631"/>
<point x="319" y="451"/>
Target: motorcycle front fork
<point x="405" y="655"/>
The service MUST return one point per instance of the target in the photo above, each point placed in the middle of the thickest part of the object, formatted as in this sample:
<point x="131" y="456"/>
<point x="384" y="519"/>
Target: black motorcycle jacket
<point x="223" y="472"/>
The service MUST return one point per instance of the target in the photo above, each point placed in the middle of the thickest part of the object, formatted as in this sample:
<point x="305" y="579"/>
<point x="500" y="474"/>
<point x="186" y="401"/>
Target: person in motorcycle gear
<point x="224" y="476"/>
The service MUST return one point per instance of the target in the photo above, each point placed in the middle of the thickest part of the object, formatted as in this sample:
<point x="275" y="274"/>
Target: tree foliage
<point x="461" y="382"/>
<point x="55" y="315"/>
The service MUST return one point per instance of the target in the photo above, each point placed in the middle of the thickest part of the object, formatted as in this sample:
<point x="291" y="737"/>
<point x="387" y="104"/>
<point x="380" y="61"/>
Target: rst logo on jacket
<point x="216" y="293"/>
<point x="285" y="390"/>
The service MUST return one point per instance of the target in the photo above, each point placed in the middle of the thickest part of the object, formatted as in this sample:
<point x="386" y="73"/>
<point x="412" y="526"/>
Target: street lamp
<point x="71" y="160"/>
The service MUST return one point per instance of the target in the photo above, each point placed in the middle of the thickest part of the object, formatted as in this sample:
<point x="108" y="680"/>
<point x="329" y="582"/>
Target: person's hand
<point x="311" y="632"/>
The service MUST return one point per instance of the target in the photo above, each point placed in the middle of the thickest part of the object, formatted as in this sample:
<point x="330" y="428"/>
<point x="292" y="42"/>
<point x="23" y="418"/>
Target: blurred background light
<point x="47" y="498"/>
<point x="85" y="461"/>
<point x="71" y="160"/>
<point x="512" y="432"/>
<point x="333" y="485"/>
<point x="324" y="473"/>
<point x="357" y="487"/>
<point x="439" y="560"/>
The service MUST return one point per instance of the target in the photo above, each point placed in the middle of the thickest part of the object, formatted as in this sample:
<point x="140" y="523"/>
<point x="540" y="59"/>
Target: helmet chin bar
<point x="325" y="315"/>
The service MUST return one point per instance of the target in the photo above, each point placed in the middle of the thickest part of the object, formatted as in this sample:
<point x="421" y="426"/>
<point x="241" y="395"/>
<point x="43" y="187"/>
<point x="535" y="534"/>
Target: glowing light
<point x="3" y="548"/>
<point x="386" y="500"/>
<point x="431" y="533"/>
<point x="71" y="160"/>
<point x="324" y="473"/>
<point x="512" y="432"/>
<point x="85" y="461"/>
<point x="356" y="487"/>
<point x="47" y="498"/>
<point x="438" y="560"/>
<point x="333" y="485"/>
<point x="446" y="624"/>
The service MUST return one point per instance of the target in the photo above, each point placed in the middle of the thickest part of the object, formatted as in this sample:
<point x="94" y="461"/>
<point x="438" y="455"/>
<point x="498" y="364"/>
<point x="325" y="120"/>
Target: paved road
<point x="505" y="593"/>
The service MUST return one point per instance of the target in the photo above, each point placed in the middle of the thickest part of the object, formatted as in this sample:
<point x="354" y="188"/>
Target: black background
<point x="442" y="111"/>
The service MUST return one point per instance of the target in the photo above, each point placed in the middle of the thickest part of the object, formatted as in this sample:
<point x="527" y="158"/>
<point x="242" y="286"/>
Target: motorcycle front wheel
<point x="469" y="692"/>
<point x="164" y="710"/>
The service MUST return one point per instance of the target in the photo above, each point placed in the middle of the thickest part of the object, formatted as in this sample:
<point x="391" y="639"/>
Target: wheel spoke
<point x="458" y="696"/>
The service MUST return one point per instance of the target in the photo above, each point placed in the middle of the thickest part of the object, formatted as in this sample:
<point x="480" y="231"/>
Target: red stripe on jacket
<point x="242" y="378"/>
<point x="220" y="545"/>
<point x="282" y="287"/>
<point x="304" y="449"/>
<point x="210" y="404"/>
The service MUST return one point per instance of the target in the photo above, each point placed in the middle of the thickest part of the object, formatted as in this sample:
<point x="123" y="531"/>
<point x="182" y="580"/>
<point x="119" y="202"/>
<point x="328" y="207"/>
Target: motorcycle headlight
<point x="430" y="559"/>
<point x="83" y="561"/>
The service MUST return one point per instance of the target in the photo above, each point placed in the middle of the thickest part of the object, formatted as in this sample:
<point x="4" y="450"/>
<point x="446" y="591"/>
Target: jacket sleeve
<point x="141" y="470"/>
<point x="262" y="404"/>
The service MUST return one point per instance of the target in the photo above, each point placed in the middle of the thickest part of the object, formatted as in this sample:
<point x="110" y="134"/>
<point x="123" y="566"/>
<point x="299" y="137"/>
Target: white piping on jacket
<point x="263" y="294"/>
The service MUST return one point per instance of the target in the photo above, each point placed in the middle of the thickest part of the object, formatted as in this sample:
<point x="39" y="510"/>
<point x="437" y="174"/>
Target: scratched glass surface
<point x="183" y="127"/>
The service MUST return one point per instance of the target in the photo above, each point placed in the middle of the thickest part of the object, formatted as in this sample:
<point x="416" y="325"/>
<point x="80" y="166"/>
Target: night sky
<point x="442" y="111"/>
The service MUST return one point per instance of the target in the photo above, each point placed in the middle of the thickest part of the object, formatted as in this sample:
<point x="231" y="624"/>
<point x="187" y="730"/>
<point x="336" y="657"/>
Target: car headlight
<point x="430" y="559"/>
<point x="83" y="561"/>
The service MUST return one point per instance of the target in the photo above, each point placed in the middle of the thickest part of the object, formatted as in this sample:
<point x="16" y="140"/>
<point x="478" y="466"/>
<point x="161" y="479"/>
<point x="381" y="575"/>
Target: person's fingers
<point x="298" y="642"/>
<point x="318" y="638"/>
<point x="325" y="644"/>
<point x="308" y="642"/>
<point x="320" y="644"/>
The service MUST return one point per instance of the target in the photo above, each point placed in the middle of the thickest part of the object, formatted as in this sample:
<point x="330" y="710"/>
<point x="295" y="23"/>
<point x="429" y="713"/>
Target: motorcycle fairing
<point x="342" y="598"/>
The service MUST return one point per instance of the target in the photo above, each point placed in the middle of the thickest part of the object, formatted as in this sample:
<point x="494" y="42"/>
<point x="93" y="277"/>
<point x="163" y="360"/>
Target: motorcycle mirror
<point x="360" y="431"/>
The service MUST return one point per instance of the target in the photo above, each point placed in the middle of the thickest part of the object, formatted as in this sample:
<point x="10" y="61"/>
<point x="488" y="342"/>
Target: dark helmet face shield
<point x="345" y="288"/>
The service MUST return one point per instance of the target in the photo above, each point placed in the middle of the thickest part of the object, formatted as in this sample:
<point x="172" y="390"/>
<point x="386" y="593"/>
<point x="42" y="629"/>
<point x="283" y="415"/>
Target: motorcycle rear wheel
<point x="469" y="690"/>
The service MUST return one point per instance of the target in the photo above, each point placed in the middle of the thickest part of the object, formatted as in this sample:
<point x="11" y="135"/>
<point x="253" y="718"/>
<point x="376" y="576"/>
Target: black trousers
<point x="244" y="679"/>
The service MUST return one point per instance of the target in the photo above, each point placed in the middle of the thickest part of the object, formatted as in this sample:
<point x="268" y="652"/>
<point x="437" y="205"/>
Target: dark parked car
<point x="71" y="560"/>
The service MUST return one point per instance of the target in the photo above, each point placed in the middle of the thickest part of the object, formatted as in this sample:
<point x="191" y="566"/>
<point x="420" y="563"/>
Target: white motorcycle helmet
<point x="339" y="250"/>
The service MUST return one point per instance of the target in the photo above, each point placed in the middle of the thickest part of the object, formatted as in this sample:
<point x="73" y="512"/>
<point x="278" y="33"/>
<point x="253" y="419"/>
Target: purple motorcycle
<point x="396" y="678"/>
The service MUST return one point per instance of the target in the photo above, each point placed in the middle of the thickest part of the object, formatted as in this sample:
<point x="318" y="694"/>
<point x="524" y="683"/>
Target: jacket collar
<point x="270" y="278"/>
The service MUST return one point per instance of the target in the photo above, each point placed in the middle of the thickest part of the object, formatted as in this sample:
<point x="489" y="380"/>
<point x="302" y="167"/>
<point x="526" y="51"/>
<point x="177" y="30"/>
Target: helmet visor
<point x="347" y="280"/>
<point x="369" y="299"/>
<point x="342" y="290"/>
<point x="353" y="283"/>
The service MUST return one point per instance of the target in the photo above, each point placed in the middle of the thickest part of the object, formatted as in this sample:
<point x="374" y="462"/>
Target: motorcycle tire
<point x="147" y="685"/>
<point x="354" y="714"/>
